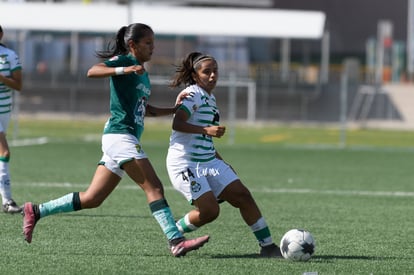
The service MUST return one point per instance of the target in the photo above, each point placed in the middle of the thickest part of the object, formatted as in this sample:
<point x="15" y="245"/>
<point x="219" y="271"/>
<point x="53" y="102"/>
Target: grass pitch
<point x="357" y="201"/>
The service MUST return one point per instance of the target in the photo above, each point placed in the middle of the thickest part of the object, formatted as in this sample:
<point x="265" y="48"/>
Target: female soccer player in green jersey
<point x="122" y="151"/>
<point x="194" y="166"/>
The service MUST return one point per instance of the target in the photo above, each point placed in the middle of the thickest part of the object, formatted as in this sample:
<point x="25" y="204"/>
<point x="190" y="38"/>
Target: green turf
<point x="357" y="201"/>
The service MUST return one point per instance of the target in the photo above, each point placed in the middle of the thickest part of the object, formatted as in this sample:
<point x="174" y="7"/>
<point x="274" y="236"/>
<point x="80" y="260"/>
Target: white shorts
<point x="118" y="149"/>
<point x="195" y="179"/>
<point x="4" y="122"/>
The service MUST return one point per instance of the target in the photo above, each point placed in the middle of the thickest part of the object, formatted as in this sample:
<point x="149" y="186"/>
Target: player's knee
<point x="210" y="214"/>
<point x="243" y="198"/>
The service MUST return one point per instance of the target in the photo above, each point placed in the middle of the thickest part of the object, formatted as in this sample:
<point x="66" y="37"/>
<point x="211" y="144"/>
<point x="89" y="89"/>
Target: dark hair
<point x="119" y="45"/>
<point x="183" y="72"/>
<point x="1" y="36"/>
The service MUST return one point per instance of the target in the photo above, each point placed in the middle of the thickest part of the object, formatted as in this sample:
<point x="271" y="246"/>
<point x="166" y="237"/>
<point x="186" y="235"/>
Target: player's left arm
<point x="180" y="124"/>
<point x="158" y="111"/>
<point x="102" y="70"/>
<point x="14" y="82"/>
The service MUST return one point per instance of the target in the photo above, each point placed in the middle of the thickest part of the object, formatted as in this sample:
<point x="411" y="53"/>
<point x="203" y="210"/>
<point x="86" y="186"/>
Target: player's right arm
<point x="180" y="124"/>
<point x="102" y="70"/>
<point x="14" y="82"/>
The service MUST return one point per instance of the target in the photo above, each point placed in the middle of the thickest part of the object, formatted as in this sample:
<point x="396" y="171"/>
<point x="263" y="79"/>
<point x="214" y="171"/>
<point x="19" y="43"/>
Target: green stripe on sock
<point x="184" y="226"/>
<point x="262" y="233"/>
<point x="158" y="205"/>
<point x="4" y="159"/>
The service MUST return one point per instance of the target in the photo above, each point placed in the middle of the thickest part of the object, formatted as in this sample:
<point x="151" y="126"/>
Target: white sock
<point x="262" y="232"/>
<point x="5" y="189"/>
<point x="184" y="224"/>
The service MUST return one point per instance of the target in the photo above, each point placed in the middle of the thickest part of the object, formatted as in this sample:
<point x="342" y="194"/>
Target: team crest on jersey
<point x="195" y="186"/>
<point x="195" y="107"/>
<point x="114" y="58"/>
<point x="138" y="147"/>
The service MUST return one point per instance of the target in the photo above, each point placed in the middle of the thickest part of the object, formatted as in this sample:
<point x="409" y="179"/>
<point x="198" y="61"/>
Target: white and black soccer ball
<point x="297" y="245"/>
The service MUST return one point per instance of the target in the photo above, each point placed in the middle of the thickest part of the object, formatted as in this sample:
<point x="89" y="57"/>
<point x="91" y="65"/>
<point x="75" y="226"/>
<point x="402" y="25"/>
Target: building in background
<point x="287" y="72"/>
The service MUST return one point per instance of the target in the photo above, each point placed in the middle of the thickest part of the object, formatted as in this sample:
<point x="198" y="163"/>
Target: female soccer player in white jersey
<point x="10" y="81"/>
<point x="194" y="166"/>
<point x="122" y="151"/>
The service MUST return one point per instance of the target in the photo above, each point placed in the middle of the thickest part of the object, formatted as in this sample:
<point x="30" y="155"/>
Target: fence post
<point x="343" y="109"/>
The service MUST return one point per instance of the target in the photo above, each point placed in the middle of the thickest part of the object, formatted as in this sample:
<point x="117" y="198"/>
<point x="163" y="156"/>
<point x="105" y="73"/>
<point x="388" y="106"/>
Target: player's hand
<point x="180" y="97"/>
<point x="137" y="69"/>
<point x="216" y="131"/>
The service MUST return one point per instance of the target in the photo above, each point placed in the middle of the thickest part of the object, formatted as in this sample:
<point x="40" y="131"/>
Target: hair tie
<point x="201" y="58"/>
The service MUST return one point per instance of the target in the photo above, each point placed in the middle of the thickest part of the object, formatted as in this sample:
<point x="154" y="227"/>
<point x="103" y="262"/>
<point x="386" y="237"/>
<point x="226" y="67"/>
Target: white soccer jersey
<point x="9" y="62"/>
<point x="203" y="111"/>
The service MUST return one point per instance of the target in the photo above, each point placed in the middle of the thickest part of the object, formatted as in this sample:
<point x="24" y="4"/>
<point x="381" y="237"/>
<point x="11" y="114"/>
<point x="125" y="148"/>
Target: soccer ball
<point x="297" y="245"/>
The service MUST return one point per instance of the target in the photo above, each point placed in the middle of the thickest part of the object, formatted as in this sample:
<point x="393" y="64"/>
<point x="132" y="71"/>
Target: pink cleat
<point x="185" y="246"/>
<point x="29" y="221"/>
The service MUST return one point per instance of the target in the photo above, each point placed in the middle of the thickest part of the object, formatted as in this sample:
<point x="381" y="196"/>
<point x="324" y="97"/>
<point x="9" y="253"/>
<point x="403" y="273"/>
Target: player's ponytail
<point x="184" y="71"/>
<point x="119" y="45"/>
<point x="120" y="42"/>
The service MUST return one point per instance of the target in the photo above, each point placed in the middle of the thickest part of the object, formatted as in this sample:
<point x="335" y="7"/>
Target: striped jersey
<point x="203" y="111"/>
<point x="9" y="62"/>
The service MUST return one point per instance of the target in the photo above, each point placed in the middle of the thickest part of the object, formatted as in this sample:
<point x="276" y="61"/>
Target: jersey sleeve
<point x="114" y="61"/>
<point x="191" y="102"/>
<point x="14" y="62"/>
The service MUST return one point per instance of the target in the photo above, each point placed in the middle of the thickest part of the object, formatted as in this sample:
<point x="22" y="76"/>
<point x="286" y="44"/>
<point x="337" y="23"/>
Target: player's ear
<point x="131" y="44"/>
<point x="194" y="76"/>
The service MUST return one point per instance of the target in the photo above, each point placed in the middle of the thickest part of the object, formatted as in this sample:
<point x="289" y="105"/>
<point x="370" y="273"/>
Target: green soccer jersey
<point x="129" y="95"/>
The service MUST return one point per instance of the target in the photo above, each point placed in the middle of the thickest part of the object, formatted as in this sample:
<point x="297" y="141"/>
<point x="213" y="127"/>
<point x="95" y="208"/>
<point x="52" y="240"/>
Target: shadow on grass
<point x="315" y="258"/>
<point x="327" y="258"/>
<point x="85" y="215"/>
<point x="234" y="256"/>
<point x="347" y="257"/>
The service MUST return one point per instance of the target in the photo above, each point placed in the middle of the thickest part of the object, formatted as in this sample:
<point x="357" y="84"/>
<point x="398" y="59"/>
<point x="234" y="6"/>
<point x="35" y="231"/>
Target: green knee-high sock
<point x="162" y="213"/>
<point x="67" y="203"/>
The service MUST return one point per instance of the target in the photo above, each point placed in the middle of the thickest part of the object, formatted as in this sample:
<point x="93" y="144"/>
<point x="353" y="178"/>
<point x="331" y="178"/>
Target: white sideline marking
<point x="29" y="141"/>
<point x="340" y="192"/>
<point x="254" y="190"/>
